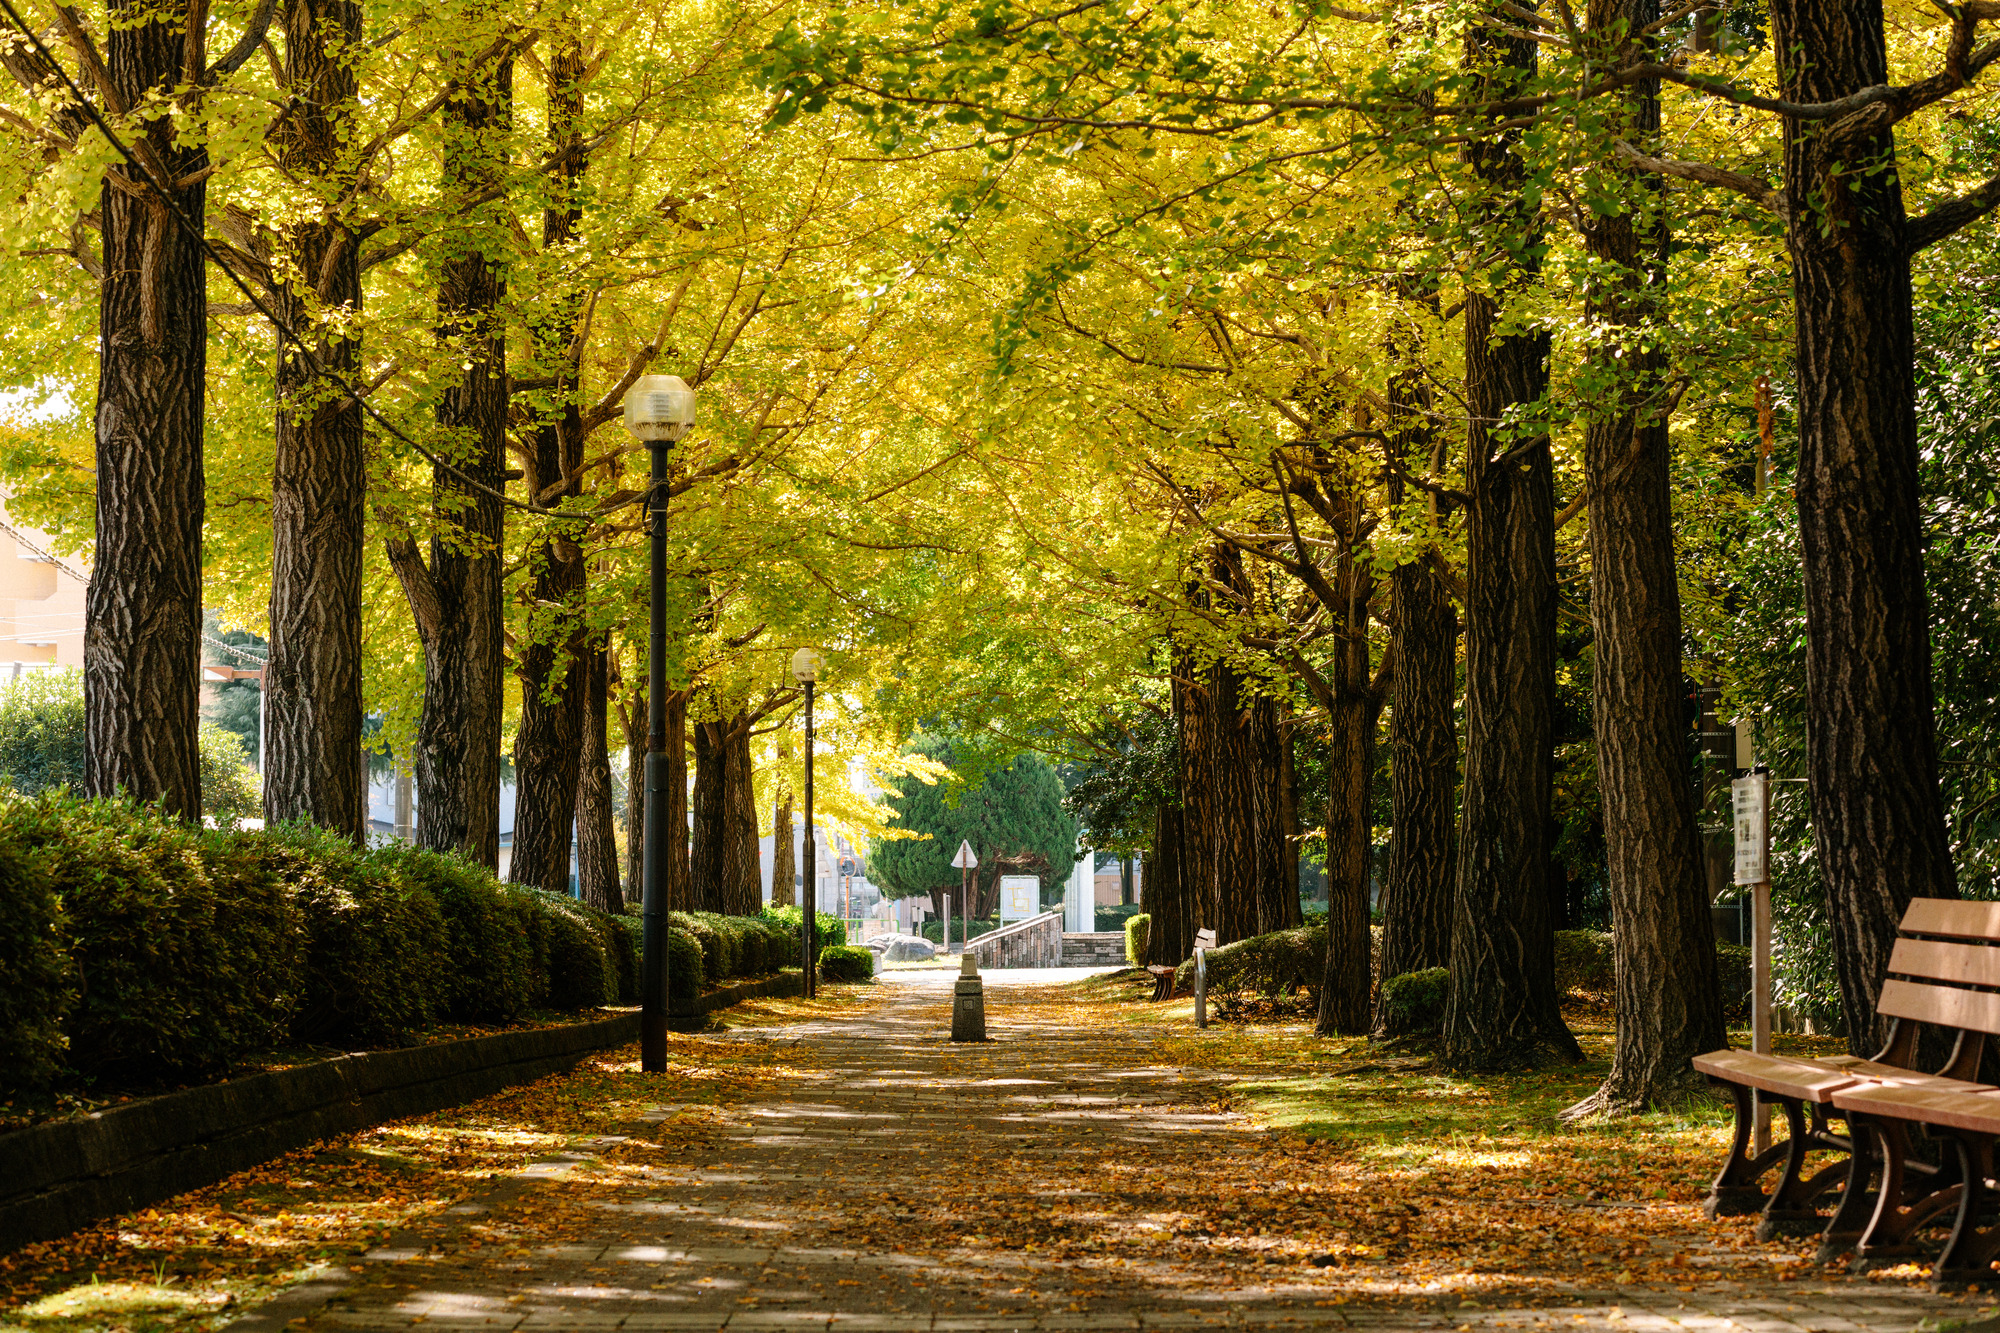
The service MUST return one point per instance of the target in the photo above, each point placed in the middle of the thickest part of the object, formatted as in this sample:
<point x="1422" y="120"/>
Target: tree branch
<point x="1931" y="227"/>
<point x="1748" y="186"/>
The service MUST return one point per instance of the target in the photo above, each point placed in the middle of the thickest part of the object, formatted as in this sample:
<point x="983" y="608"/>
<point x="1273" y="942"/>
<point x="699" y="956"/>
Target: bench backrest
<point x="1946" y="946"/>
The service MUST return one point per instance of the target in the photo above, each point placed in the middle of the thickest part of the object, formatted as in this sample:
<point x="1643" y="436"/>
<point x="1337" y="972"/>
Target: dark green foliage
<point x="1732" y="965"/>
<point x="1014" y="811"/>
<point x="622" y="936"/>
<point x="1113" y="916"/>
<point x="707" y="938"/>
<point x="1413" y="1003"/>
<point x="42" y="739"/>
<point x="183" y="944"/>
<point x="1138" y="934"/>
<point x="1115" y="798"/>
<point x="847" y="963"/>
<point x="831" y="934"/>
<point x="378" y="954"/>
<point x="933" y="929"/>
<point x="493" y="977"/>
<point x="1276" y="964"/>
<point x="37" y="988"/>
<point x="573" y="949"/>
<point x="684" y="977"/>
<point x="1584" y="962"/>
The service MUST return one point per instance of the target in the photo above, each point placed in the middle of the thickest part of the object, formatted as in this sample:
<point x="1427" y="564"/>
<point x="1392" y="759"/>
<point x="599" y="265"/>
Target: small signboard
<point x="965" y="860"/>
<point x="1020" y="897"/>
<point x="1752" y="799"/>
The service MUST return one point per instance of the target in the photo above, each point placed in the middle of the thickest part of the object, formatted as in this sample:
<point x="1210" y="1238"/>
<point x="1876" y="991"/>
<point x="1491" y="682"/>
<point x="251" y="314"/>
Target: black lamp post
<point x="805" y="670"/>
<point x="659" y="409"/>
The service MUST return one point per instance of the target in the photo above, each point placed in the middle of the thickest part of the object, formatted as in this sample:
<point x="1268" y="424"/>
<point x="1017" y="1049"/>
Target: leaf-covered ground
<point x="837" y="1155"/>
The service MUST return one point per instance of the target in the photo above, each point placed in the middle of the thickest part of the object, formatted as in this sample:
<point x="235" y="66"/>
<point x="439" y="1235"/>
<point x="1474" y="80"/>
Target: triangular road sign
<point x="965" y="860"/>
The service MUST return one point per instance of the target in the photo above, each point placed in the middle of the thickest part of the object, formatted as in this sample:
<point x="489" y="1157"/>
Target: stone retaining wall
<point x="1036" y="942"/>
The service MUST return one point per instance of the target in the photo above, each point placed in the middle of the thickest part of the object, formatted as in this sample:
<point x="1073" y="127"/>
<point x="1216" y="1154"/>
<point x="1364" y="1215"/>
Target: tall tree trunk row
<point x="596" y="833"/>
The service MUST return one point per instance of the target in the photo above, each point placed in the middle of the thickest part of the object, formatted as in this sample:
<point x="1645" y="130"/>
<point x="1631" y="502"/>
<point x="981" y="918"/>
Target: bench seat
<point x="1811" y="1080"/>
<point x="1943" y="1102"/>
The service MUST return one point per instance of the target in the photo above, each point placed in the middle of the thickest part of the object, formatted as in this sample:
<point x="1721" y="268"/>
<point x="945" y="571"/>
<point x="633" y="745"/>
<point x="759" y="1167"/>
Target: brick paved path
<point x="823" y="1213"/>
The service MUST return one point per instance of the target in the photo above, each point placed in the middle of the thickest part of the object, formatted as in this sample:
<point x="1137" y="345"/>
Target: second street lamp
<point x="805" y="670"/>
<point x="659" y="409"/>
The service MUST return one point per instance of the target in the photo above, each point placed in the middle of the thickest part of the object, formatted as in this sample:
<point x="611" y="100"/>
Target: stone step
<point x="1097" y="948"/>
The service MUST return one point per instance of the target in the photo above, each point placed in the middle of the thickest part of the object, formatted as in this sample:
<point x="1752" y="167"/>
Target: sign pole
<point x="1751" y="796"/>
<point x="964" y="862"/>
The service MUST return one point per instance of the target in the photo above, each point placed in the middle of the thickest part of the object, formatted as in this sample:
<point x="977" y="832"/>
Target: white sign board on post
<point x="1751" y="798"/>
<point x="1020" y="897"/>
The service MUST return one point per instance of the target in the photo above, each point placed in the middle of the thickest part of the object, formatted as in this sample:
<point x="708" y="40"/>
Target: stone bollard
<point x="968" y="1002"/>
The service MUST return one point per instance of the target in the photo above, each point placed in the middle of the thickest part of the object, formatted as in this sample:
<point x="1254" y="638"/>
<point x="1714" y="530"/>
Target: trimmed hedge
<point x="1138" y="935"/>
<point x="134" y="947"/>
<point x="1413" y="1002"/>
<point x="847" y="963"/>
<point x="1274" y="964"/>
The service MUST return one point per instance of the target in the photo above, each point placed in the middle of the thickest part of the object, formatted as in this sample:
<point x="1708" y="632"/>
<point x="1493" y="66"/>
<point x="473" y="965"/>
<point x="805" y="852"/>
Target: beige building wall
<point x="41" y="602"/>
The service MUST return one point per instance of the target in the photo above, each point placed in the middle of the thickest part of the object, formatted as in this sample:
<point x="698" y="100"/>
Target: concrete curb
<point x="58" y="1177"/>
<point x="693" y="1020"/>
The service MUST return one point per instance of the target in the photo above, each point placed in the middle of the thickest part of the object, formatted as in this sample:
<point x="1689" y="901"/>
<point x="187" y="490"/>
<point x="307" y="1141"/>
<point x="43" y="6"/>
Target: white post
<point x="1751" y="797"/>
<point x="946" y="947"/>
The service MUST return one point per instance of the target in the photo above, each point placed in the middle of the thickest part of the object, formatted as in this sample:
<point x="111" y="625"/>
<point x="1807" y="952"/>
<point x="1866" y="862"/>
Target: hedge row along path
<point x="836" y="1164"/>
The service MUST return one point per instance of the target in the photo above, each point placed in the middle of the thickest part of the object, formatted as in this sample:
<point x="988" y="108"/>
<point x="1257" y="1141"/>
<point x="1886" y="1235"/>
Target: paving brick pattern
<point x="793" y="1217"/>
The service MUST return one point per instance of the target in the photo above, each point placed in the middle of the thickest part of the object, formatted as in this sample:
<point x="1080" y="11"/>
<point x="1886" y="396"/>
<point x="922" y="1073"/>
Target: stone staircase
<point x="1098" y="948"/>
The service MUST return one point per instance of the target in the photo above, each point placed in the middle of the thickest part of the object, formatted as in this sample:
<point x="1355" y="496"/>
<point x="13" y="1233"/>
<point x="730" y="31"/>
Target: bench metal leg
<point x="1968" y="1256"/>
<point x="1906" y="1202"/>
<point x="1736" y="1192"/>
<point x="1793" y="1208"/>
<point x="1857" y="1203"/>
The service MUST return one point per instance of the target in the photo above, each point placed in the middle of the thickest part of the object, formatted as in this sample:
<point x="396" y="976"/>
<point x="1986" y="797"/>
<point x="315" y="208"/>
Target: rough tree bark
<point x="596" y="835"/>
<point x="744" y="869"/>
<point x="632" y="724"/>
<point x="1669" y="1008"/>
<point x="1423" y="735"/>
<point x="679" y="872"/>
<point x="1235" y="815"/>
<point x="1878" y="823"/>
<point x="548" y="745"/>
<point x="1502" y="1011"/>
<point x="708" y="865"/>
<point x="784" y="860"/>
<point x="1195" y="854"/>
<point x="1277" y="893"/>
<point x="456" y="597"/>
<point x="312" y="683"/>
<point x="142" y="627"/>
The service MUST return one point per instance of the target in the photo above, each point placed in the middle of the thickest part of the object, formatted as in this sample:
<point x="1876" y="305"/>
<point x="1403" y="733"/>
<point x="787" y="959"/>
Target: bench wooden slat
<point x="1978" y="1011"/>
<point x="1937" y="960"/>
<point x="1952" y="917"/>
<point x="1957" y="1107"/>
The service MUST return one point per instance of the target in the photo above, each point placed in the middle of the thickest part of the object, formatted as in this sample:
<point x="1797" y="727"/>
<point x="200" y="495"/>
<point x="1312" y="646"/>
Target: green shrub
<point x="42" y="747"/>
<point x="831" y="934"/>
<point x="1584" y="962"/>
<point x="756" y="951"/>
<point x="378" y="953"/>
<point x="1274" y="964"/>
<point x="183" y="944"/>
<point x="842" y="963"/>
<point x="1113" y="916"/>
<point x="1138" y="935"/>
<point x="684" y="974"/>
<point x="574" y="950"/>
<point x="37" y="987"/>
<point x="493" y="977"/>
<point x="622" y="934"/>
<point x="713" y="960"/>
<point x="1413" y="1002"/>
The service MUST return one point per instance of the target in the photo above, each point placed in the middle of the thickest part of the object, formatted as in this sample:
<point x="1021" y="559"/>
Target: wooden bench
<point x="1163" y="977"/>
<point x="1950" y="980"/>
<point x="1942" y="939"/>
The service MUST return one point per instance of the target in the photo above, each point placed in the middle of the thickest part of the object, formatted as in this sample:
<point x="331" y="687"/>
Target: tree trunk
<point x="784" y="860"/>
<point x="1502" y="1012"/>
<point x="1277" y="897"/>
<point x="142" y="628"/>
<point x="458" y="735"/>
<point x="708" y="882"/>
<point x="1423" y="739"/>
<point x="1195" y="723"/>
<point x="312" y="683"/>
<point x="1125" y="879"/>
<point x="1352" y="714"/>
<point x="549" y="744"/>
<point x="1235" y="817"/>
<point x="1878" y="823"/>
<point x="745" y="870"/>
<point x="1668" y="1007"/>
<point x="632" y="720"/>
<point x="596" y="835"/>
<point x="679" y="872"/>
<point x="1163" y="895"/>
